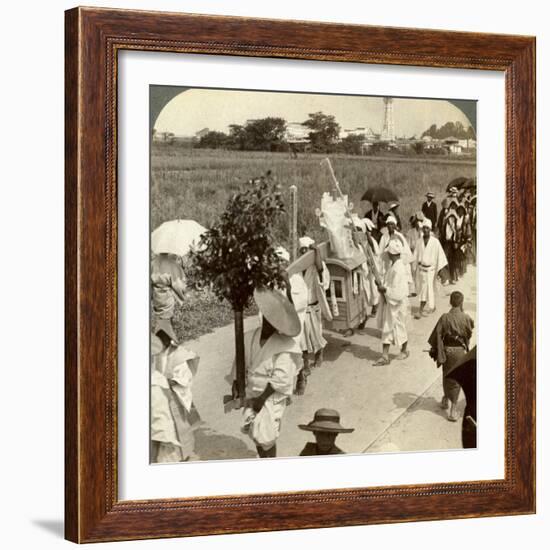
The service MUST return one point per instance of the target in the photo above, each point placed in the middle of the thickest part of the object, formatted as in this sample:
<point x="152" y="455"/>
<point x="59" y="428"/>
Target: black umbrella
<point x="465" y="373"/>
<point x="457" y="182"/>
<point x="379" y="194"/>
<point x="471" y="184"/>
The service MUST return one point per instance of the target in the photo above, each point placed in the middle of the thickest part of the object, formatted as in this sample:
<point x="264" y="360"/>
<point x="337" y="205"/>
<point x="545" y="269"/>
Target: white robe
<point x="430" y="260"/>
<point x="172" y="373"/>
<point x="311" y="338"/>
<point x="406" y="255"/>
<point x="372" y="296"/>
<point x="393" y="311"/>
<point x="277" y="363"/>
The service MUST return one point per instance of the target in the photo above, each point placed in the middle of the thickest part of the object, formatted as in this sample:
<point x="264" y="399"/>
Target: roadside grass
<point x="196" y="184"/>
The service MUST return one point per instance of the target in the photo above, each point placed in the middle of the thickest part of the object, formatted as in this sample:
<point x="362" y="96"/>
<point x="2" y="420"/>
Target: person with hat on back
<point x="430" y="260"/>
<point x="429" y="208"/>
<point x="393" y="309"/>
<point x="317" y="280"/>
<point x="273" y="358"/>
<point x="299" y="297"/>
<point x="325" y="427"/>
<point x="173" y="414"/>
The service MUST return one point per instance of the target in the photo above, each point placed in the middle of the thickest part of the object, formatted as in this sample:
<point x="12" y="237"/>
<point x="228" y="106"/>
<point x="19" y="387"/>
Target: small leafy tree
<point x="324" y="131"/>
<point x="237" y="254"/>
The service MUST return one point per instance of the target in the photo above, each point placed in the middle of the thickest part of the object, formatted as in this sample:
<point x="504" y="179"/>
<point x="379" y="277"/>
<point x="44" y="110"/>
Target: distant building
<point x="202" y="133"/>
<point x="467" y="143"/>
<point x="164" y="137"/>
<point x="296" y="132"/>
<point x="358" y="131"/>
<point x="452" y="145"/>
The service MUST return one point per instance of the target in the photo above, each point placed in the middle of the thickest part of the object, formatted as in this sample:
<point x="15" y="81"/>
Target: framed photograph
<point x="288" y="245"/>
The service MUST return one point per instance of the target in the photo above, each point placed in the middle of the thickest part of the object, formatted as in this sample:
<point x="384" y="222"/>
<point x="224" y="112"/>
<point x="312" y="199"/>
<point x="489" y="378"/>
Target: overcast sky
<point x="195" y="109"/>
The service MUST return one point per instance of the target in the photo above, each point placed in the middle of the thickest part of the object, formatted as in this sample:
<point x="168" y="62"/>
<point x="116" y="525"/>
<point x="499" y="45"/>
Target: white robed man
<point x="317" y="280"/>
<point x="370" y="290"/>
<point x="272" y="360"/>
<point x="430" y="259"/>
<point x="393" y="235"/>
<point x="173" y="414"/>
<point x="394" y="306"/>
<point x="299" y="297"/>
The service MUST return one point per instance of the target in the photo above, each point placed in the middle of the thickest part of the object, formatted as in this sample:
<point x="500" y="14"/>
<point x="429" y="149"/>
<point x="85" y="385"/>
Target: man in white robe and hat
<point x="393" y="309"/>
<point x="299" y="293"/>
<point x="430" y="259"/>
<point x="273" y="358"/>
<point x="317" y="280"/>
<point x="370" y="290"/>
<point x="393" y="235"/>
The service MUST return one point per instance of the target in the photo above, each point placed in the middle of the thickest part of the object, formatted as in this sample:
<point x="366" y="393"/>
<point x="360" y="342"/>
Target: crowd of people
<point x="284" y="350"/>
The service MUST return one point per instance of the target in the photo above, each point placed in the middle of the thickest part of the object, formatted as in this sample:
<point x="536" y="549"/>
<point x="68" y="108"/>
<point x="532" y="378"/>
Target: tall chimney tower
<point x="388" y="132"/>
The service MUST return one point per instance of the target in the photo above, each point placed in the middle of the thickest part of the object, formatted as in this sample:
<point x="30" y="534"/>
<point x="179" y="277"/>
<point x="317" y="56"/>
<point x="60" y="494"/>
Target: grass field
<point x="196" y="183"/>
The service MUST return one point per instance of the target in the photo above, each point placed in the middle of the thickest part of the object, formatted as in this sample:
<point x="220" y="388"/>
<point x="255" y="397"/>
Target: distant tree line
<point x="450" y="129"/>
<point x="269" y="134"/>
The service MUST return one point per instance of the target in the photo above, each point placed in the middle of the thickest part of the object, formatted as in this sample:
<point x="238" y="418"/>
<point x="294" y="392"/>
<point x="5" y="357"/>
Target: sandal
<point x="403" y="355"/>
<point x="382" y="362"/>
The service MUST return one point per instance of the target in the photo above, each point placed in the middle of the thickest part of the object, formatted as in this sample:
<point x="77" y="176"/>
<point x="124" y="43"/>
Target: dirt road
<point x="392" y="408"/>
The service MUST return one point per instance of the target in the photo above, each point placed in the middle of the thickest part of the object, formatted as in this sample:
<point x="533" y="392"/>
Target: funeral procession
<point x="313" y="285"/>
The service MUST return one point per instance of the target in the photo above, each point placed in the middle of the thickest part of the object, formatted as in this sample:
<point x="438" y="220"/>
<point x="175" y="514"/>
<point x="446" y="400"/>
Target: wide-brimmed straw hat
<point x="278" y="311"/>
<point x="326" y="420"/>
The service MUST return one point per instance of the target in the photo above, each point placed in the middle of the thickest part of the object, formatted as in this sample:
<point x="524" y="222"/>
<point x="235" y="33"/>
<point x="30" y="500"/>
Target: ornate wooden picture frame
<point x="94" y="37"/>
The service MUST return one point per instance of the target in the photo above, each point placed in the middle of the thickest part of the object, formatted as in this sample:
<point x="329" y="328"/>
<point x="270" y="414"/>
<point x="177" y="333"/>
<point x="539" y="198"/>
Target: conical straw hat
<point x="278" y="310"/>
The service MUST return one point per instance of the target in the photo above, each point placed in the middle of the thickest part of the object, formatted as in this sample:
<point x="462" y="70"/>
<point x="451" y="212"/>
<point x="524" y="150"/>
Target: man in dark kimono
<point x="429" y="209"/>
<point x="376" y="216"/>
<point x="445" y="274"/>
<point x="449" y="342"/>
<point x="325" y="427"/>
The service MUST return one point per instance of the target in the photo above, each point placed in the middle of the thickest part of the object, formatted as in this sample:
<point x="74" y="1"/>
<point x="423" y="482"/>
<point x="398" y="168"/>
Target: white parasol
<point x="176" y="237"/>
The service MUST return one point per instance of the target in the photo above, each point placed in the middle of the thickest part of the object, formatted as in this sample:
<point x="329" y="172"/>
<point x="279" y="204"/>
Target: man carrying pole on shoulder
<point x="393" y="309"/>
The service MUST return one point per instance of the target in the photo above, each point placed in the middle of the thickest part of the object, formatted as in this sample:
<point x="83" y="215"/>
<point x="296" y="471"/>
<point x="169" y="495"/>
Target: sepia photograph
<point x="313" y="279"/>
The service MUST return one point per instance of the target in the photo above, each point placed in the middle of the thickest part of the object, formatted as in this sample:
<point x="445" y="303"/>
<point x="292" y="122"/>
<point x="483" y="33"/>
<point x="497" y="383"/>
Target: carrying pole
<point x="369" y="255"/>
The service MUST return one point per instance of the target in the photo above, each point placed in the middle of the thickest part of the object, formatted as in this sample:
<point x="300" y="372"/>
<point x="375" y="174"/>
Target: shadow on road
<point x="404" y="400"/>
<point x="337" y="346"/>
<point x="212" y="445"/>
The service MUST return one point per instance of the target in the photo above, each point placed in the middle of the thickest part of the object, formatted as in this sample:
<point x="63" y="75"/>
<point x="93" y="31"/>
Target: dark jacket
<point x="430" y="212"/>
<point x="311" y="450"/>
<point x="453" y="329"/>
